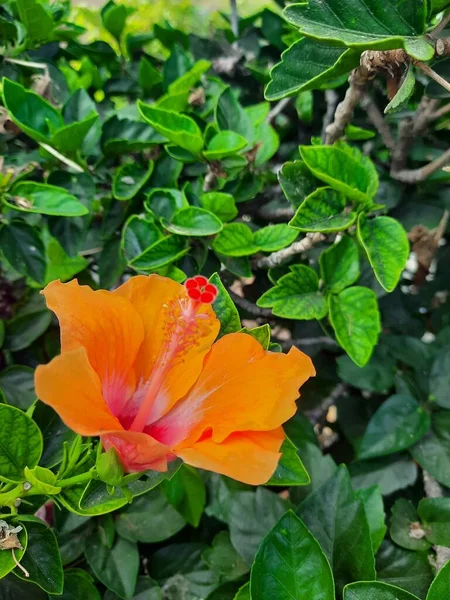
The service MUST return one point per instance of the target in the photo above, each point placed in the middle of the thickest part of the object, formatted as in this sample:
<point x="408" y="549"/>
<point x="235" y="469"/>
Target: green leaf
<point x="24" y="249"/>
<point x="252" y="515"/>
<point x="391" y="473"/>
<point x="186" y="492"/>
<point x="59" y="264"/>
<point x="31" y="113"/>
<point x="223" y="144"/>
<point x="28" y="324"/>
<point x="20" y="450"/>
<point x="435" y="516"/>
<point x="307" y="65"/>
<point x="404" y="521"/>
<point x="117" y="567"/>
<point x="339" y="265"/>
<point x="129" y="179"/>
<point x="230" y="116"/>
<point x="222" y="558"/>
<point x="77" y="584"/>
<point x="352" y="132"/>
<point x="149" y="519"/>
<point x="325" y="210"/>
<point x="190" y="79"/>
<point x="38" y="22"/>
<point x="440" y="378"/>
<point x="42" y="559"/>
<point x="297" y="182"/>
<point x="54" y="434"/>
<point x="235" y="239"/>
<point x="125" y="136"/>
<point x="7" y="562"/>
<point x="296" y="295"/>
<point x="193" y="221"/>
<point x="404" y="93"/>
<point x="243" y="593"/>
<point x="376" y="376"/>
<point x="44" y="199"/>
<point x="179" y="129"/>
<point x="375" y="590"/>
<point x="355" y="318"/>
<point x="336" y="518"/>
<point x="344" y="169"/>
<point x="439" y="587"/>
<point x="70" y="138"/>
<point x="304" y="105"/>
<point x="291" y="564"/>
<point x="220" y="204"/>
<point x="433" y="451"/>
<point x="148" y="75"/>
<point x="163" y="252"/>
<point x="387" y="247"/>
<point x="262" y="334"/>
<point x="224" y="307"/>
<point x="275" y="237"/>
<point x="377" y="27"/>
<point x="164" y="203"/>
<point x="146" y="589"/>
<point x="290" y="470"/>
<point x="114" y="19"/>
<point x="373" y="506"/>
<point x="17" y="383"/>
<point x="408" y="570"/>
<point x="138" y="234"/>
<point x="398" y="424"/>
<point x="13" y="588"/>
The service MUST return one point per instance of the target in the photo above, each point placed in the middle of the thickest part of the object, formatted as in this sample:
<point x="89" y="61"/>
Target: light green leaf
<point x="187" y="81"/>
<point x="365" y="24"/>
<point x="179" y="129"/>
<point x="398" y="424"/>
<point x="339" y="265"/>
<point x="224" y="307"/>
<point x="304" y="105"/>
<point x="23" y="449"/>
<point x="290" y="564"/>
<point x="7" y="562"/>
<point x="114" y="19"/>
<point x="325" y="210"/>
<point x="275" y="237"/>
<point x="344" y="169"/>
<point x="387" y="247"/>
<point x="243" y="593"/>
<point x="307" y="65"/>
<point x="129" y="179"/>
<point x="262" y="334"/>
<point x="44" y="199"/>
<point x="352" y="132"/>
<point x="439" y="587"/>
<point x="355" y="318"/>
<point x="223" y="144"/>
<point x="235" y="239"/>
<point x="59" y="264"/>
<point x="404" y="93"/>
<point x="38" y="22"/>
<point x="193" y="221"/>
<point x="221" y="204"/>
<point x="296" y="295"/>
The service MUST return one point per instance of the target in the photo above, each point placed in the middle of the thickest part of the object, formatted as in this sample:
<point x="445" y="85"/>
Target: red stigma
<point x="199" y="289"/>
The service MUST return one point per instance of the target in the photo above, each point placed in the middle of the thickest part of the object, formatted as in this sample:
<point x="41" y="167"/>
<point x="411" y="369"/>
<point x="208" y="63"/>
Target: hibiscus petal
<point x="157" y="300"/>
<point x="250" y="457"/>
<point x="70" y="385"/>
<point x="107" y="326"/>
<point x="138" y="451"/>
<point x="241" y="388"/>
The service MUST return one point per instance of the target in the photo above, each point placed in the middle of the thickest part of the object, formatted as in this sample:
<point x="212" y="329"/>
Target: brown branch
<point x="433" y="489"/>
<point x="378" y="121"/>
<point x="429" y="71"/>
<point x="277" y="109"/>
<point x="440" y="27"/>
<point x="276" y="258"/>
<point x="417" y="175"/>
<point x="306" y="342"/>
<point x="317" y="414"/>
<point x="332" y="99"/>
<point x="250" y="307"/>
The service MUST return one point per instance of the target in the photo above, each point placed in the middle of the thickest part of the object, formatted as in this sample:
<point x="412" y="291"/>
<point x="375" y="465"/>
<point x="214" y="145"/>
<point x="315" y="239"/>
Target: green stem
<point x="77" y="479"/>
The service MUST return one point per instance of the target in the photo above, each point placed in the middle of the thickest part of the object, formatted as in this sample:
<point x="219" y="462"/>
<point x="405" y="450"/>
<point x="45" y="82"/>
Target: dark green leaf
<point x="433" y="451"/>
<point x="138" y="234"/>
<point x="404" y="523"/>
<point x="223" y="558"/>
<point x="408" y="570"/>
<point x="186" y="492"/>
<point x="391" y="473"/>
<point x="296" y="295"/>
<point x="114" y="19"/>
<point x="339" y="265"/>
<point x="435" y="516"/>
<point x="290" y="470"/>
<point x="163" y="252"/>
<point x="146" y="589"/>
<point x="148" y="75"/>
<point x="24" y="249"/>
<point x="193" y="221"/>
<point x="17" y="383"/>
<point x="129" y="179"/>
<point x="387" y="247"/>
<point x="230" y="116"/>
<point x="224" y="307"/>
<point x="12" y="588"/>
<point x="297" y="182"/>
<point x="291" y="564"/>
<point x="28" y="324"/>
<point x="355" y="319"/>
<point x="373" y="505"/>
<point x="375" y="590"/>
<point x="77" y="585"/>
<point x="324" y="210"/>
<point x="22" y="449"/>
<point x="440" y="378"/>
<point x="336" y="517"/>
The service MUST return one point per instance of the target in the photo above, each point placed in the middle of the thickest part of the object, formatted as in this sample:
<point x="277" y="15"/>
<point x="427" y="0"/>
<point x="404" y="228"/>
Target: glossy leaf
<point x="375" y="590"/>
<point x="291" y="564"/>
<point x="339" y="265"/>
<point x="236" y="239"/>
<point x="129" y="179"/>
<point x="20" y="450"/>
<point x="186" y="492"/>
<point x="325" y="210"/>
<point x="194" y="221"/>
<point x="179" y="129"/>
<point x="162" y="252"/>
<point x="290" y="470"/>
<point x="44" y="199"/>
<point x="224" y="307"/>
<point x="439" y="587"/>
<point x="224" y="144"/>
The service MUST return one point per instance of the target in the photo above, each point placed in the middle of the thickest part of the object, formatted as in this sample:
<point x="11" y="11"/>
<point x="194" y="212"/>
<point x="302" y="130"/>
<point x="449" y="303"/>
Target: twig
<point x="440" y="26"/>
<point x="276" y="258"/>
<point x="234" y="18"/>
<point x="378" y="121"/>
<point x="26" y="63"/>
<point x="277" y="109"/>
<point x="17" y="563"/>
<point x="332" y="99"/>
<point x="433" y="489"/>
<point x="441" y="112"/>
<point x="429" y="71"/>
<point x="416" y="175"/>
<point x="250" y="307"/>
<point x="306" y="342"/>
<point x="62" y="158"/>
<point x="316" y="415"/>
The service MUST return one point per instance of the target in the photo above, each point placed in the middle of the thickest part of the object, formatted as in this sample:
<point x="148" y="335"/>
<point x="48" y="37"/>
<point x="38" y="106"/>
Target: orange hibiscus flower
<point x="140" y="368"/>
